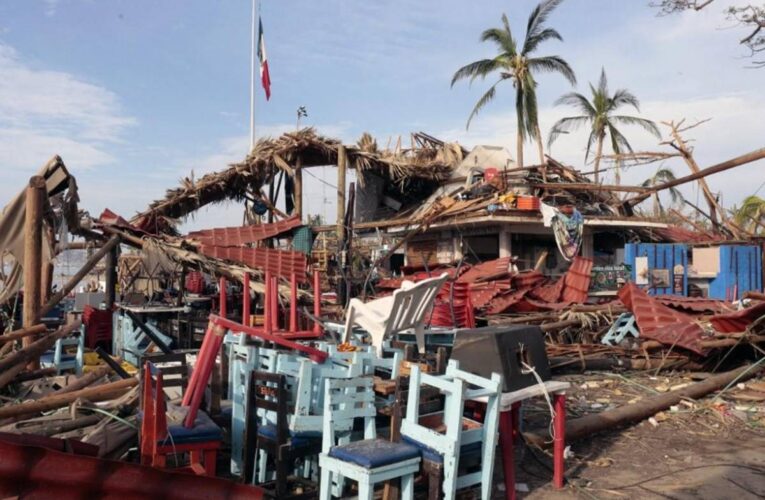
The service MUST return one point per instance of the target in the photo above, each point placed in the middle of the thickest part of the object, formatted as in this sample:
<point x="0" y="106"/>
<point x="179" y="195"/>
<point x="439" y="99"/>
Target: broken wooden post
<point x="46" y="275"/>
<point x="74" y="280"/>
<point x="97" y="393"/>
<point x="22" y="333"/>
<point x="578" y="428"/>
<point x="342" y="164"/>
<point x="298" y="193"/>
<point x="33" y="256"/>
<point x="111" y="276"/>
<point x="12" y="365"/>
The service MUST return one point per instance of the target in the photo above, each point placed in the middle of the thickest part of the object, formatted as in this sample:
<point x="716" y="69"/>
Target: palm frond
<point x="537" y="19"/>
<point x="602" y="82"/>
<point x="646" y="125"/>
<point x="476" y="69"/>
<point x="565" y="125"/>
<point x="483" y="101"/>
<point x="623" y="97"/>
<point x="590" y="141"/>
<point x="546" y="34"/>
<point x="553" y="64"/>
<point x="619" y="143"/>
<point x="503" y="37"/>
<point x="577" y="101"/>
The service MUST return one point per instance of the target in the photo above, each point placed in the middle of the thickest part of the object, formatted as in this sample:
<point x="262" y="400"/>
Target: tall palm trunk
<point x="542" y="161"/>
<point x="519" y="149"/>
<point x="597" y="157"/>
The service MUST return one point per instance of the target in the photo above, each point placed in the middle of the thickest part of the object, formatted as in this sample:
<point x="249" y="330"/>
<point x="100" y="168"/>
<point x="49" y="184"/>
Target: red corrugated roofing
<point x="695" y="304"/>
<point x="238" y="236"/>
<point x="658" y="322"/>
<point x="548" y="293"/>
<point x="280" y="262"/>
<point x="502" y="303"/>
<point x="490" y="269"/>
<point x="527" y="279"/>
<point x="739" y="320"/>
<point x="576" y="281"/>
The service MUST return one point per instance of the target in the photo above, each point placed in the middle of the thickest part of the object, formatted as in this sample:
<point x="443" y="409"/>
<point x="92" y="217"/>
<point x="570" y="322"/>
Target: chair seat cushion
<point x="297" y="439"/>
<point x="373" y="453"/>
<point x="204" y="429"/>
<point x="49" y="357"/>
<point x="432" y="455"/>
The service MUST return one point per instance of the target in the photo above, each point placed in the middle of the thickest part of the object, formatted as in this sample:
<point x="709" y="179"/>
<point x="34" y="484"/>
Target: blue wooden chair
<point x="445" y="437"/>
<point x="368" y="461"/>
<point x="61" y="358"/>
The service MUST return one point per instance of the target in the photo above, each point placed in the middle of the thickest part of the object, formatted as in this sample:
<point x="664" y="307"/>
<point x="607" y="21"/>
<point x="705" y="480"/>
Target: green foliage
<point x="518" y="66"/>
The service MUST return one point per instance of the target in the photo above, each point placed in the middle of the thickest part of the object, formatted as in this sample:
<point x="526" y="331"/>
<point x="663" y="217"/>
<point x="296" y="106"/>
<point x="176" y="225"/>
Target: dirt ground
<point x="706" y="449"/>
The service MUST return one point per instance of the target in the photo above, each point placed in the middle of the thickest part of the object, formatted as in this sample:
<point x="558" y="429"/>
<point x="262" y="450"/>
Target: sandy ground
<point x="705" y="449"/>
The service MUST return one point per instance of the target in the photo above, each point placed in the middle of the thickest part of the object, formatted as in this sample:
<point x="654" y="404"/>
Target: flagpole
<point x="252" y="80"/>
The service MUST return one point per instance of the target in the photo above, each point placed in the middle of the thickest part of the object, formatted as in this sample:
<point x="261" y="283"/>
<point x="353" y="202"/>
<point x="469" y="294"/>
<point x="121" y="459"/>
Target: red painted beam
<point x="32" y="472"/>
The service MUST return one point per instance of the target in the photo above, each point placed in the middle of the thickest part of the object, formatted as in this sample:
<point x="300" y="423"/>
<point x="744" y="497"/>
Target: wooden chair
<point x="269" y="393"/>
<point x="368" y="461"/>
<point x="406" y="309"/>
<point x="446" y="437"/>
<point x="160" y="439"/>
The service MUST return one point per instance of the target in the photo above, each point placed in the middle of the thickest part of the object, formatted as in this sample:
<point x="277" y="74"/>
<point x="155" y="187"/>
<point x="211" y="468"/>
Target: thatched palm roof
<point x="429" y="159"/>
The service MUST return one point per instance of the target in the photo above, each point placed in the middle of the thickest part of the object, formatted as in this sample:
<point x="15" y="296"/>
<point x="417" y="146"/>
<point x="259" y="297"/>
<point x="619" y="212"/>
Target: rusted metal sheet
<point x="526" y="280"/>
<point x="659" y="322"/>
<point x="576" y="281"/>
<point x="739" y="320"/>
<point x="33" y="472"/>
<point x="496" y="268"/>
<point x="695" y="304"/>
<point x="242" y="235"/>
<point x="280" y="262"/>
<point x="504" y="302"/>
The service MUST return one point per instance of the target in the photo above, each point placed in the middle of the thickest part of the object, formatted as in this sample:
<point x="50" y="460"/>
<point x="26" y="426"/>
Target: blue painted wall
<point x="740" y="271"/>
<point x="660" y="256"/>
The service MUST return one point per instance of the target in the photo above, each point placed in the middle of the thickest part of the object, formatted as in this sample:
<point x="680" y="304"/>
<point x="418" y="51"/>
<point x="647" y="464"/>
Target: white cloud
<point x="44" y="112"/>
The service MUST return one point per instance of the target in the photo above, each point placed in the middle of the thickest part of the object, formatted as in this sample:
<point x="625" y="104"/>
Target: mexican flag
<point x="265" y="78"/>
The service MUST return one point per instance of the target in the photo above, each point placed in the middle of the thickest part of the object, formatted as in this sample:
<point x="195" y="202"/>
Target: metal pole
<point x="253" y="55"/>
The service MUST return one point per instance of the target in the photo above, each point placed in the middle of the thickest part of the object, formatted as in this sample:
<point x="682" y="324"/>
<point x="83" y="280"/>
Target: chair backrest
<point x="154" y="421"/>
<point x="411" y="304"/>
<point x="175" y="372"/>
<point x="268" y="393"/>
<point x="345" y="400"/>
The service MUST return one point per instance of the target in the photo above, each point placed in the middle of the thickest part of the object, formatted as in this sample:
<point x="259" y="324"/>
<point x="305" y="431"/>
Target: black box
<point x="502" y="349"/>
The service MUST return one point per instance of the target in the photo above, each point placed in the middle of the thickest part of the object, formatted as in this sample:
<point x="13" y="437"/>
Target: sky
<point x="137" y="94"/>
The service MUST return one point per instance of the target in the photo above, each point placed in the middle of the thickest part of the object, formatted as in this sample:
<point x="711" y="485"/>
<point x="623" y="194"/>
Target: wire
<point x="319" y="179"/>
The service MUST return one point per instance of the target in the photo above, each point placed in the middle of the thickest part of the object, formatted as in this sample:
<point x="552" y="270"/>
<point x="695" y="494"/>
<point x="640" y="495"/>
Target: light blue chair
<point x="62" y="359"/>
<point x="369" y="461"/>
<point x="462" y="435"/>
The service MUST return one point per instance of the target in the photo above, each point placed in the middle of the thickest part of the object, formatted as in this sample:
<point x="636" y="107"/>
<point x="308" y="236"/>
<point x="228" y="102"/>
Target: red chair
<point x="98" y="327"/>
<point x="158" y="439"/>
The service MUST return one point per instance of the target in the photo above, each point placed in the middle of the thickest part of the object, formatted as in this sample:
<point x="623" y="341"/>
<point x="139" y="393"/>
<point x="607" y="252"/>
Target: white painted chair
<point x="405" y="310"/>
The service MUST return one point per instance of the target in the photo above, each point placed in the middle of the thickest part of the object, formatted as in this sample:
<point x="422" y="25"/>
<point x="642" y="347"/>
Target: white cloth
<point x="548" y="213"/>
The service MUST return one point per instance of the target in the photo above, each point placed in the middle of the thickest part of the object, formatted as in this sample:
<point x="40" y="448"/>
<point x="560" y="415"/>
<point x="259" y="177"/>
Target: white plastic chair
<point x="405" y="310"/>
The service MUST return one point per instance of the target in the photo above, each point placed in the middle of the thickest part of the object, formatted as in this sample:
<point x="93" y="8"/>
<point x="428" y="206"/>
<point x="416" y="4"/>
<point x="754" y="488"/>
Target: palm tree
<point x="519" y="66"/>
<point x="599" y="113"/>
<point x="661" y="176"/>
<point x="751" y="215"/>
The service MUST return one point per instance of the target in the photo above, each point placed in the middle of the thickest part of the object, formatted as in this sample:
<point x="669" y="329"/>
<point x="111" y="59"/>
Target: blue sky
<point x="135" y="94"/>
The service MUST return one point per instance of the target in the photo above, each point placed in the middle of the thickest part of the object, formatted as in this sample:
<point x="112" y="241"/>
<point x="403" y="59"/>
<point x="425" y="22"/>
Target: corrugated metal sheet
<point x="740" y="271"/>
<point x="739" y="320"/>
<point x="660" y="256"/>
<point x="695" y="304"/>
<point x="242" y="235"/>
<point x="491" y="269"/>
<point x="280" y="262"/>
<point x="527" y="279"/>
<point x="658" y="322"/>
<point x="504" y="302"/>
<point x="548" y="293"/>
<point x="576" y="281"/>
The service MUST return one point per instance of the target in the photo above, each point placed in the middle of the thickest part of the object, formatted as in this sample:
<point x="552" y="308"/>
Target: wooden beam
<point x="35" y="198"/>
<point x="342" y="165"/>
<point x="74" y="280"/>
<point x="758" y="154"/>
<point x="298" y="193"/>
<point x="97" y="393"/>
<point x="111" y="276"/>
<point x="22" y="333"/>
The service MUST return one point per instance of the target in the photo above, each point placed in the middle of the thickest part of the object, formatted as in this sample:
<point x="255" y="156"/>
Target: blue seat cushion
<point x="297" y="439"/>
<point x="432" y="455"/>
<point x="373" y="453"/>
<point x="204" y="429"/>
